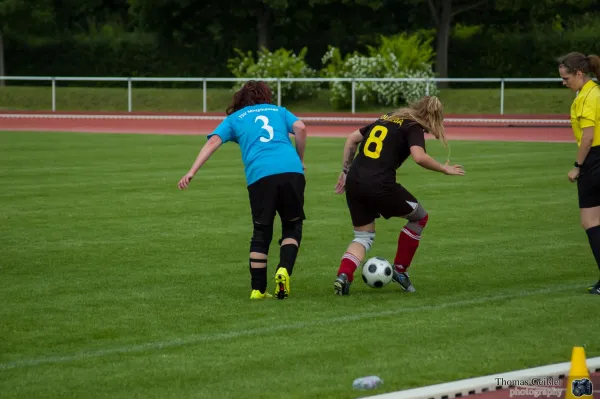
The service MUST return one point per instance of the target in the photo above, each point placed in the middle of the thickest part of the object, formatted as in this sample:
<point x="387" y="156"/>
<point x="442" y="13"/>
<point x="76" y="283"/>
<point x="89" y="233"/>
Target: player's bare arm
<point x="350" y="148"/>
<point x="207" y="150"/>
<point x="586" y="143"/>
<point x="424" y="160"/>
<point x="299" y="129"/>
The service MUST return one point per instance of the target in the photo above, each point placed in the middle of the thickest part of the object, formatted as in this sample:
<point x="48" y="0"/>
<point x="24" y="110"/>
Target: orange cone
<point x="579" y="385"/>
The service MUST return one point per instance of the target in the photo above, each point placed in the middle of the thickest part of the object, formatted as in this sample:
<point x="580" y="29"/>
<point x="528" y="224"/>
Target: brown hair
<point x="574" y="62"/>
<point x="252" y="93"/>
<point x="427" y="112"/>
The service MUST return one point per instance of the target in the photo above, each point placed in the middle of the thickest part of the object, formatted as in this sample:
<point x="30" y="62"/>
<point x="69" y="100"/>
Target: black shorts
<point x="282" y="193"/>
<point x="588" y="182"/>
<point x="366" y="202"/>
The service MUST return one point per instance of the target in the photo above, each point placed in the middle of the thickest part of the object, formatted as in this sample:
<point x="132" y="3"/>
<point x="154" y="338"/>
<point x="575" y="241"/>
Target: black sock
<point x="258" y="276"/>
<point x="594" y="239"/>
<point x="287" y="257"/>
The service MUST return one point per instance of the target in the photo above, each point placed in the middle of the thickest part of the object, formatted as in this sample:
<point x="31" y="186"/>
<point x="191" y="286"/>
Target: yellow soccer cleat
<point x="282" y="283"/>
<point x="256" y="294"/>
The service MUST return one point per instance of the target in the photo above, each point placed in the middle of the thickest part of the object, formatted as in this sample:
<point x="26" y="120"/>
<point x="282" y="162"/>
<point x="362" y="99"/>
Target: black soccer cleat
<point x="341" y="285"/>
<point x="595" y="289"/>
<point x="404" y="281"/>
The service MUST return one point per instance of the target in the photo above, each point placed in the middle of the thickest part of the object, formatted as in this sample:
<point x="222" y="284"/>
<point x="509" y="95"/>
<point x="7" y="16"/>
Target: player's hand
<point x="185" y="181"/>
<point x="340" y="187"/>
<point x="573" y="174"/>
<point x="455" y="170"/>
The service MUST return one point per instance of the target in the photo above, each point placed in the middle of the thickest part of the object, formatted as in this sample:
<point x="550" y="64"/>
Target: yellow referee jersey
<point x="585" y="112"/>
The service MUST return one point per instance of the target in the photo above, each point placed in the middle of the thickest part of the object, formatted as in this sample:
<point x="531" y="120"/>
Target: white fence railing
<point x="205" y="82"/>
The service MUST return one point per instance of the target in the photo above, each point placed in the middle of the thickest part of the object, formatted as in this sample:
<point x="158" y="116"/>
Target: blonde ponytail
<point x="427" y="112"/>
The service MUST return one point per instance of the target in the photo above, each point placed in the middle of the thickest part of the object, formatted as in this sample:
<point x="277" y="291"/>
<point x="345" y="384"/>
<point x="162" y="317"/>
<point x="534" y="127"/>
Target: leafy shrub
<point x="401" y="56"/>
<point x="410" y="51"/>
<point x="281" y="63"/>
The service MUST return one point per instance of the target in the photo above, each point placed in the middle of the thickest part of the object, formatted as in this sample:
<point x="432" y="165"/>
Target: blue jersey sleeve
<point x="289" y="120"/>
<point x="225" y="131"/>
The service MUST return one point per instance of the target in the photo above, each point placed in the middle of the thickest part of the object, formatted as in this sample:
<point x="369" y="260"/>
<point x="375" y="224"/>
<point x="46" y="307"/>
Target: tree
<point x="87" y="17"/>
<point x="443" y="13"/>
<point x="185" y="21"/>
<point x="264" y="11"/>
<point x="547" y="10"/>
<point x="24" y="18"/>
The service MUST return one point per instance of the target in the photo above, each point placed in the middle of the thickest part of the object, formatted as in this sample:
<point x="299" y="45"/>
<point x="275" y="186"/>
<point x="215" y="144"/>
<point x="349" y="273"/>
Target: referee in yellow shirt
<point x="574" y="69"/>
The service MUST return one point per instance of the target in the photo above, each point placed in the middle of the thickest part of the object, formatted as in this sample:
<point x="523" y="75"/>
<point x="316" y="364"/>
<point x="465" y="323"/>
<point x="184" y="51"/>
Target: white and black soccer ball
<point x="377" y="272"/>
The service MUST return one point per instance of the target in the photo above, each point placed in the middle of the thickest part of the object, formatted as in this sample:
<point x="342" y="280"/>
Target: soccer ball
<point x="377" y="272"/>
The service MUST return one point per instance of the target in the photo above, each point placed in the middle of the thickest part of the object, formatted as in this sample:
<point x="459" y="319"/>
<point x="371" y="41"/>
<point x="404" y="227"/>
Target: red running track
<point x="120" y="123"/>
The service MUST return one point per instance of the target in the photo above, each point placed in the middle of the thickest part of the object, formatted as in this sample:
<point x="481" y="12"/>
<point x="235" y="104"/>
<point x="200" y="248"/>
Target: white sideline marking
<point x="196" y="339"/>
<point x="305" y="118"/>
<point x="489" y="382"/>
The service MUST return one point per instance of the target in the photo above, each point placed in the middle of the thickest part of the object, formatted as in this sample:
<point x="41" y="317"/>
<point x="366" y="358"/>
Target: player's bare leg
<point x="353" y="257"/>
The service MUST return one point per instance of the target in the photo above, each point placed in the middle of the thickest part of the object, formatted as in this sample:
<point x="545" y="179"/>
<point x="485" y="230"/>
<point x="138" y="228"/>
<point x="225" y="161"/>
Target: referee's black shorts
<point x="588" y="182"/>
<point x="368" y="201"/>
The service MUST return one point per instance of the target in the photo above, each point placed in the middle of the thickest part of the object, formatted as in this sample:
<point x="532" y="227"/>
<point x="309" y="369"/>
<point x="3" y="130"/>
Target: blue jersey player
<point x="274" y="171"/>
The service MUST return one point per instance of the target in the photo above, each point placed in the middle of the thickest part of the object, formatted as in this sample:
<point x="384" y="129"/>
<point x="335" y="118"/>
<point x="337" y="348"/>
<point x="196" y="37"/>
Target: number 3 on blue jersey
<point x="265" y="126"/>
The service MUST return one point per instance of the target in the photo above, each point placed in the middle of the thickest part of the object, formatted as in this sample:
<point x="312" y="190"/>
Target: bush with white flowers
<point x="401" y="56"/>
<point x="280" y="63"/>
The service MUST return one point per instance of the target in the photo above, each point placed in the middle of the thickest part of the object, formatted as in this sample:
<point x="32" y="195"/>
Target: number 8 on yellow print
<point x="376" y="137"/>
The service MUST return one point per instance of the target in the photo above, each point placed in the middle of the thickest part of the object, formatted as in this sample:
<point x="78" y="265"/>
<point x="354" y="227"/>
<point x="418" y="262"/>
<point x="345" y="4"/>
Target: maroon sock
<point x="348" y="265"/>
<point x="408" y="242"/>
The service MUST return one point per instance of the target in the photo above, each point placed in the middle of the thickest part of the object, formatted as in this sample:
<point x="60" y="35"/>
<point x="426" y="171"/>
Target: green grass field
<point x="114" y="284"/>
<point x="456" y="101"/>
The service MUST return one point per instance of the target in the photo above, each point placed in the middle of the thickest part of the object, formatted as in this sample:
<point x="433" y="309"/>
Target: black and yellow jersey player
<point x="574" y="69"/>
<point x="368" y="179"/>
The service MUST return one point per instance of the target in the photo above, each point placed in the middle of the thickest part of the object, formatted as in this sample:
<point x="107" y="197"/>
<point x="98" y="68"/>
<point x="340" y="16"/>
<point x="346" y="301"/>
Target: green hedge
<point x="130" y="55"/>
<point x="516" y="54"/>
<point x="485" y="53"/>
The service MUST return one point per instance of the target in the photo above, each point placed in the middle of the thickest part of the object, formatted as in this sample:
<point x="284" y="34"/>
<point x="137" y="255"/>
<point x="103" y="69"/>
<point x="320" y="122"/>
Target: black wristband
<point x="577" y="165"/>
